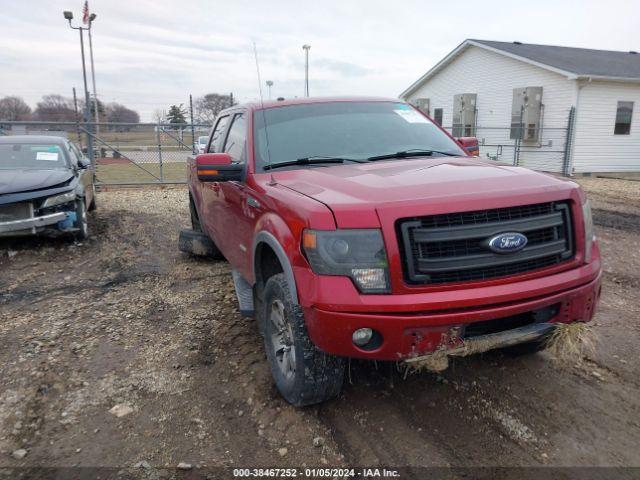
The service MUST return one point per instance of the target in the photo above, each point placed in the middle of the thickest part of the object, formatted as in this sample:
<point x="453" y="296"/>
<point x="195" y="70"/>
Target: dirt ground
<point x="124" y="320"/>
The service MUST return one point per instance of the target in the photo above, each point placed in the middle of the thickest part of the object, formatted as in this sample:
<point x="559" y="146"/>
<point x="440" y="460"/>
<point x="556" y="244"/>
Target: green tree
<point x="177" y="114"/>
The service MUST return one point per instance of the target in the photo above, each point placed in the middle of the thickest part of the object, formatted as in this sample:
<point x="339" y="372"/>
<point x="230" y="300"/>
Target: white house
<point x="551" y="108"/>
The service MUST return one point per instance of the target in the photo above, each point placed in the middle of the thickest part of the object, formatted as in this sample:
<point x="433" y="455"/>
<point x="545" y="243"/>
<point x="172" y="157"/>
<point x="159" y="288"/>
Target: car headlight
<point x="59" y="199"/>
<point x="357" y="254"/>
<point x="589" y="235"/>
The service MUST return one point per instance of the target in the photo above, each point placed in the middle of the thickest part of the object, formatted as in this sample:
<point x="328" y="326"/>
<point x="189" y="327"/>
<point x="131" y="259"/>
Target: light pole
<point x="87" y="115"/>
<point x="92" y="17"/>
<point x="269" y="84"/>
<point x="306" y="69"/>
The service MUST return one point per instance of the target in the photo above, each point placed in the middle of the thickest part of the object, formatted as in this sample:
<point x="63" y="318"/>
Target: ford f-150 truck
<point x="359" y="228"/>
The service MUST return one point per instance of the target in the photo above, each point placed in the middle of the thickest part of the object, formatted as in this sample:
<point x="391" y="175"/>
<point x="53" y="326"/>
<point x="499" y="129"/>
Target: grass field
<point x="130" y="173"/>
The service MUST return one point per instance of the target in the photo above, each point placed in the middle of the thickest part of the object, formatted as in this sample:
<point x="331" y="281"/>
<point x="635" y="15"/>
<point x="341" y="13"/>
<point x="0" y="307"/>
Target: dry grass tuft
<point x="570" y="343"/>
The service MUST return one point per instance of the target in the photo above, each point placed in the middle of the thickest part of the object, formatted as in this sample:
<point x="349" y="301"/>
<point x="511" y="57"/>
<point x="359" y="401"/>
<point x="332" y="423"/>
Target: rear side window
<point x="236" y="138"/>
<point x="218" y="135"/>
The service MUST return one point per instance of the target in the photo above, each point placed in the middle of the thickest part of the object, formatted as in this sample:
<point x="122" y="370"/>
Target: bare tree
<point x="14" y="108"/>
<point x="159" y="115"/>
<point x="55" y="108"/>
<point x="207" y="107"/>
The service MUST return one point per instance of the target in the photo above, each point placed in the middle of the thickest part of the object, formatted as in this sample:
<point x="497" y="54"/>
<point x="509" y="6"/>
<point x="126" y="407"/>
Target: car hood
<point x="417" y="186"/>
<point x="26" y="180"/>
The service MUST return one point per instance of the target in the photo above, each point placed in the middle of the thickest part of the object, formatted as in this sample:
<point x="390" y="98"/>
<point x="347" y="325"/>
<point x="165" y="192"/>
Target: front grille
<point x="453" y="247"/>
<point x="15" y="211"/>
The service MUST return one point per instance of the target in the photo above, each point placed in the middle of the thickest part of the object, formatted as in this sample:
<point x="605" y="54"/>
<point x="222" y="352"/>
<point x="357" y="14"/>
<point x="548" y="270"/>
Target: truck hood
<point x="16" y="181"/>
<point x="419" y="186"/>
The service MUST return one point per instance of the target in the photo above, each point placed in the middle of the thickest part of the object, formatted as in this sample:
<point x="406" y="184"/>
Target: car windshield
<point x="356" y="130"/>
<point x="31" y="156"/>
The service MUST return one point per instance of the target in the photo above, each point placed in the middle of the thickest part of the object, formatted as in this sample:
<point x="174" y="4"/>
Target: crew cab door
<point x="207" y="195"/>
<point x="234" y="229"/>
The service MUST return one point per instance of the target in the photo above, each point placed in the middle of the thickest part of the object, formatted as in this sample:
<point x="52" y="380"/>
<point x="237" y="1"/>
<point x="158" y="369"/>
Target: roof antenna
<point x="264" y="119"/>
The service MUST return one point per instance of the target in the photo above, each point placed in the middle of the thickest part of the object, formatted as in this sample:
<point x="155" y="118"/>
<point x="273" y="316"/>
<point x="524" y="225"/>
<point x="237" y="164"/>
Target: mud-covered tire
<point x="196" y="226"/>
<point x="195" y="221"/>
<point x="82" y="222"/>
<point x="93" y="205"/>
<point x="316" y="376"/>
<point x="198" y="244"/>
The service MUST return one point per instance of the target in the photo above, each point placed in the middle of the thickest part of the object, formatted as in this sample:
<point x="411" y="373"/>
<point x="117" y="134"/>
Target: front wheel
<point x="82" y="223"/>
<point x="303" y="374"/>
<point x="93" y="205"/>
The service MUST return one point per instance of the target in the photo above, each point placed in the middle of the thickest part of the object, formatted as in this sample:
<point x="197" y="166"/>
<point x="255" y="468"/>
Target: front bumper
<point x="411" y="334"/>
<point x="31" y="225"/>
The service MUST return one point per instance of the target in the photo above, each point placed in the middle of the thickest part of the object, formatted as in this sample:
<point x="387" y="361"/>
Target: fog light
<point x="362" y="336"/>
<point x="370" y="279"/>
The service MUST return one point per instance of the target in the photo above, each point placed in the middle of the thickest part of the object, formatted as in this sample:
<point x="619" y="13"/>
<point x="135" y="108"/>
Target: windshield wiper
<point x="309" y="161"/>
<point x="410" y="153"/>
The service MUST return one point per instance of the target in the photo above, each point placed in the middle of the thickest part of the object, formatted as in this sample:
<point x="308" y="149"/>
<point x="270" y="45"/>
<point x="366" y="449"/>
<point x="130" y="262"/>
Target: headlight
<point x="59" y="199"/>
<point x="358" y="254"/>
<point x="589" y="236"/>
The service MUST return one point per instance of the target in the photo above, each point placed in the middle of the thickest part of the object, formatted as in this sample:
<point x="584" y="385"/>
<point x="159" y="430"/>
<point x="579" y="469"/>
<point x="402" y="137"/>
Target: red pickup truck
<point x="357" y="227"/>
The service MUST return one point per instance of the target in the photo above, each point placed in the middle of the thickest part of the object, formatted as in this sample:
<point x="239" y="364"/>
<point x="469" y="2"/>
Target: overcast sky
<point x="153" y="53"/>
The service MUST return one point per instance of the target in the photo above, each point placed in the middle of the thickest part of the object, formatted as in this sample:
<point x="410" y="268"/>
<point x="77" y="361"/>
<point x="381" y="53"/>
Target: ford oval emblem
<point x="509" y="242"/>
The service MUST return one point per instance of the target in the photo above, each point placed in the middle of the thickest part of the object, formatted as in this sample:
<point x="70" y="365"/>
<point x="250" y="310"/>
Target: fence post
<point x="193" y="131"/>
<point x="160" y="152"/>
<point x="567" y="143"/>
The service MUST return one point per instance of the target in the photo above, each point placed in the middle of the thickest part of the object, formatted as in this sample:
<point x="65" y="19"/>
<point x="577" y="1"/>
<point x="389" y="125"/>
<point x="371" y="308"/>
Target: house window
<point x="623" y="118"/>
<point x="437" y="116"/>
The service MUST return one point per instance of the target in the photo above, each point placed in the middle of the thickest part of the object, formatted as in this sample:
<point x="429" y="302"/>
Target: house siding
<point x="596" y="148"/>
<point x="493" y="77"/>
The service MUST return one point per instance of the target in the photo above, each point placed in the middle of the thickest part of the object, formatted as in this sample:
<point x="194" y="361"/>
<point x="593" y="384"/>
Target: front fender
<point x="274" y="232"/>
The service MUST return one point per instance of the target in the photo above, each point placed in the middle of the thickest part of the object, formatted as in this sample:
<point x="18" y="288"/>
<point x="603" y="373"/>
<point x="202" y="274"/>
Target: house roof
<point x="572" y="62"/>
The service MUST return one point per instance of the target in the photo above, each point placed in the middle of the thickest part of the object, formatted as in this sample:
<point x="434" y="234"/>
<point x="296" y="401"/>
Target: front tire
<point x="93" y="205"/>
<point x="303" y="374"/>
<point x="82" y="222"/>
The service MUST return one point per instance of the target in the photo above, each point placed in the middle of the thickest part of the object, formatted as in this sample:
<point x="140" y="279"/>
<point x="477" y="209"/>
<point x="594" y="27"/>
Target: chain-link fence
<point x="541" y="147"/>
<point x="140" y="153"/>
<point x="126" y="153"/>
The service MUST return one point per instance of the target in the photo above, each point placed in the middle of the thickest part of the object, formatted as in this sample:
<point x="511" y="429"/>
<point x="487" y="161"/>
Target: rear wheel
<point x="303" y="374"/>
<point x="195" y="221"/>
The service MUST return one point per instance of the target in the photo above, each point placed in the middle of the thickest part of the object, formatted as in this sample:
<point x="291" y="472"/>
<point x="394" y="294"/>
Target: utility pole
<point x="193" y="131"/>
<point x="75" y="108"/>
<point x="87" y="109"/>
<point x="306" y="69"/>
<point x="92" y="17"/>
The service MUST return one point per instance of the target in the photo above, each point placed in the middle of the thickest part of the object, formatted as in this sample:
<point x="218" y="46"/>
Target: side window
<point x="437" y="116"/>
<point x="218" y="135"/>
<point x="236" y="138"/>
<point x="73" y="155"/>
<point x="623" y="118"/>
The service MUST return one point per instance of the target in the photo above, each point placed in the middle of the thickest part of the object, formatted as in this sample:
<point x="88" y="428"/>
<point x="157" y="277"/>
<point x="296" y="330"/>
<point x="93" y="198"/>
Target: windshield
<point x="202" y="140"/>
<point x="31" y="156"/>
<point x="347" y="130"/>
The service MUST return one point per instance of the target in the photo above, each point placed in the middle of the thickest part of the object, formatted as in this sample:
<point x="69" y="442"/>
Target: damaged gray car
<point x="46" y="187"/>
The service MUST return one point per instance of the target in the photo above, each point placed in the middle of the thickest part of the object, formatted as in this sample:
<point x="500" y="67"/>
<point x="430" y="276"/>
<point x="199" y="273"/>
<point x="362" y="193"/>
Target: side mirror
<point x="470" y="144"/>
<point x="83" y="163"/>
<point x="217" y="167"/>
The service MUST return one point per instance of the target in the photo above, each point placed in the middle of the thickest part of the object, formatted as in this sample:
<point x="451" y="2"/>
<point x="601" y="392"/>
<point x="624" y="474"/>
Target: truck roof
<point x="257" y="105"/>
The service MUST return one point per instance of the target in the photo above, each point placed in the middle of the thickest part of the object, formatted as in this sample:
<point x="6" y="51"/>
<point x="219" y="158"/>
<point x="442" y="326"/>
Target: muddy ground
<point x="125" y="320"/>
